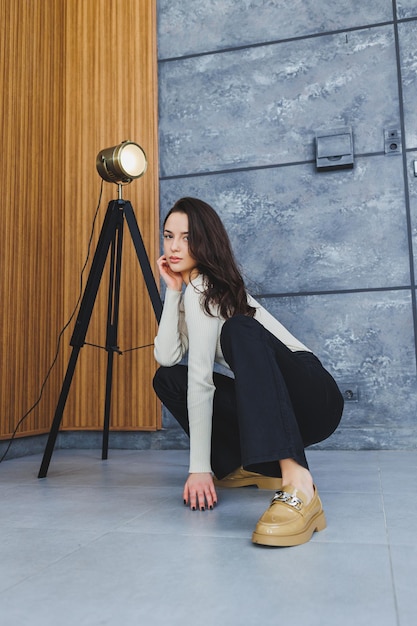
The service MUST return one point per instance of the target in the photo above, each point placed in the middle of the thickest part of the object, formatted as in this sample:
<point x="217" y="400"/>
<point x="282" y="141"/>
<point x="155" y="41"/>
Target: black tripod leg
<point x="107" y="405"/>
<point x="144" y="261"/>
<point x="112" y="325"/>
<point x="107" y="235"/>
<point x="58" y="413"/>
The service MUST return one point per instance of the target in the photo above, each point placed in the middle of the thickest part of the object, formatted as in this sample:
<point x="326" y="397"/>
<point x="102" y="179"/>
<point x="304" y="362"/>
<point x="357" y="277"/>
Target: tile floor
<point x="110" y="542"/>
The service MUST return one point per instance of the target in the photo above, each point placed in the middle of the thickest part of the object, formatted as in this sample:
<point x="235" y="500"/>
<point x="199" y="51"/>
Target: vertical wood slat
<point x="79" y="76"/>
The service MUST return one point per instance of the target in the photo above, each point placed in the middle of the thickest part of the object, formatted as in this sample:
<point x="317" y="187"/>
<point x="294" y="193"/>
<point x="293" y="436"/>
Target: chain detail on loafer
<point x="288" y="521"/>
<point x="288" y="498"/>
<point x="243" y="478"/>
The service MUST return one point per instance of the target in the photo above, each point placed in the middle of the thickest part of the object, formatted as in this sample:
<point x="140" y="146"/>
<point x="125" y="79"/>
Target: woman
<point x="249" y="428"/>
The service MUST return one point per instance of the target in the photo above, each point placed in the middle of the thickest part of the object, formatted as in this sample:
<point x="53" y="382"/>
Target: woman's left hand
<point x="199" y="491"/>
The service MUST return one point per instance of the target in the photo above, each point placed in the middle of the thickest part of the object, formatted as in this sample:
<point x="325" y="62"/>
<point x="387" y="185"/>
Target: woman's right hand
<point x="173" y="280"/>
<point x="199" y="491"/>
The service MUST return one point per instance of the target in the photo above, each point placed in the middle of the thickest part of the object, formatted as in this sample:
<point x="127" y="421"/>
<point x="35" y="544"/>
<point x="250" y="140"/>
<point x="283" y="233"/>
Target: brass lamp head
<point x="122" y="163"/>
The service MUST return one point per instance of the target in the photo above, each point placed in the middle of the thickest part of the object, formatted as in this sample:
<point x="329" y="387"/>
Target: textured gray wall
<point x="243" y="86"/>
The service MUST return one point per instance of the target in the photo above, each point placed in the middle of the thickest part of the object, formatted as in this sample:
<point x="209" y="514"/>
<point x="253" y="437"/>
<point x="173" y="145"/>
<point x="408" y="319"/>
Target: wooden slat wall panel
<point x="80" y="76"/>
<point x="31" y="206"/>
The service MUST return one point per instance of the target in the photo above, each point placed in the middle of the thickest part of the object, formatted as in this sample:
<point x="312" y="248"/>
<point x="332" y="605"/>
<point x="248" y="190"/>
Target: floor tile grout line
<point x="52" y="563"/>
<point x="391" y="566"/>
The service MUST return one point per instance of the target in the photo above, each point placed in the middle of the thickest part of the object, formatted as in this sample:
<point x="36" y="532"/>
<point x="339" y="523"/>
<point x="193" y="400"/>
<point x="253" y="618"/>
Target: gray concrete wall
<point x="243" y="87"/>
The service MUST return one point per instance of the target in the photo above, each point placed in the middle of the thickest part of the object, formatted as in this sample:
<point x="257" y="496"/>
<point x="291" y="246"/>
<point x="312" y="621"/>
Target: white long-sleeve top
<point x="186" y="327"/>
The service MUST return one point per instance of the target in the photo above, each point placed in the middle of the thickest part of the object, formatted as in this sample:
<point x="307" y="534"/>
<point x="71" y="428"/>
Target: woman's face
<point x="176" y="246"/>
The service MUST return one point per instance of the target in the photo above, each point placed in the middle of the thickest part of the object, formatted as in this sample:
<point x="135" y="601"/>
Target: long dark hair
<point x="209" y="245"/>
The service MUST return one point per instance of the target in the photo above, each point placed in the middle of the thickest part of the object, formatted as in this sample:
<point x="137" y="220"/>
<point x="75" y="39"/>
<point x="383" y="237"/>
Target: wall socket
<point x="349" y="391"/>
<point x="392" y="141"/>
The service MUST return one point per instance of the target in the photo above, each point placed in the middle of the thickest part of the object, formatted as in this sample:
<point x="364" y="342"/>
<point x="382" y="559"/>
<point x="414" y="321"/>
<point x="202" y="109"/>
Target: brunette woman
<point x="250" y="427"/>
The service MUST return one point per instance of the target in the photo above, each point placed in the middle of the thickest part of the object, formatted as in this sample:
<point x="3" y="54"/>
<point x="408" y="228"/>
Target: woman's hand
<point x="173" y="280"/>
<point x="199" y="491"/>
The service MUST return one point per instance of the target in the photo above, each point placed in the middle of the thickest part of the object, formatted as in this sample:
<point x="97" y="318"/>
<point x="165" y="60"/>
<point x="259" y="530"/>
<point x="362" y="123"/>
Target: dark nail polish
<point x="211" y="507"/>
<point x="185" y="502"/>
<point x="193" y="508"/>
<point x="202" y="508"/>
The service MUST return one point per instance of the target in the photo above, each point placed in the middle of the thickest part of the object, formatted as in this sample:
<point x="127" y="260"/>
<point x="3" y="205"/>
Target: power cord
<point x="32" y="408"/>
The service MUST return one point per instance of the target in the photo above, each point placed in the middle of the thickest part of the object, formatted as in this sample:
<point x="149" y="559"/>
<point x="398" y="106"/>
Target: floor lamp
<point x="120" y="165"/>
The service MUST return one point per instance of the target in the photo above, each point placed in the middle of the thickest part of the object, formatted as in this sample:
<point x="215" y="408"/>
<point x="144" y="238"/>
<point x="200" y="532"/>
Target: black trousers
<point x="278" y="403"/>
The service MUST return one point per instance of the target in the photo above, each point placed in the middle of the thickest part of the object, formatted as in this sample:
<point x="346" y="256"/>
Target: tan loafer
<point x="289" y="521"/>
<point x="242" y="478"/>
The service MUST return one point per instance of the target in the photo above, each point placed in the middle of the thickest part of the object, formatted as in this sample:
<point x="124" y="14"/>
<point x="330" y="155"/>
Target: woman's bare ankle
<point x="298" y="476"/>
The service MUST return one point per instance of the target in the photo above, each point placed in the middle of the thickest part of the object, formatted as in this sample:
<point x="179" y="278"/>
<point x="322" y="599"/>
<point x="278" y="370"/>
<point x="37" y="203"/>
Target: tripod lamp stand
<point x="120" y="165"/>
